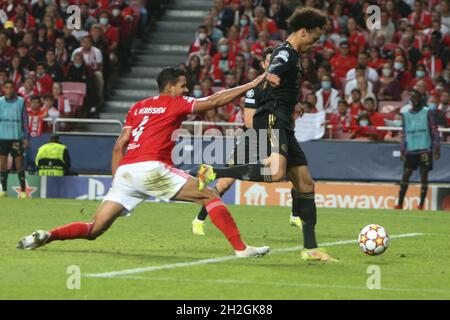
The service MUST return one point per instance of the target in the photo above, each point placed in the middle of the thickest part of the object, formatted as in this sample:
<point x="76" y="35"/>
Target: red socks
<point x="223" y="220"/>
<point x="76" y="230"/>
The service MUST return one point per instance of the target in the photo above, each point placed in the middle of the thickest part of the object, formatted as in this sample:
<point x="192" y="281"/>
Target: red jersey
<point x="153" y="122"/>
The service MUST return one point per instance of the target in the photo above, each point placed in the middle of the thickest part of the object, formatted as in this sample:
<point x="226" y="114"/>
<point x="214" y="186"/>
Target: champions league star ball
<point x="373" y="240"/>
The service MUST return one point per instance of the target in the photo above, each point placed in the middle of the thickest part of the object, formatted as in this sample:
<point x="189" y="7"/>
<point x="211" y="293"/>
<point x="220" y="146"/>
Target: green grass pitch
<point x="159" y="234"/>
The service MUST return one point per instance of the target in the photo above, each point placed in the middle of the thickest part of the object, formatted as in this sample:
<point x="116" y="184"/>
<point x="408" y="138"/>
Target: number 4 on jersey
<point x="136" y="133"/>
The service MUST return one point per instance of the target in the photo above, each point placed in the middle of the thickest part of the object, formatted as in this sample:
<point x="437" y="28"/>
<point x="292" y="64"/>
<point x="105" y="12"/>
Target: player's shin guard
<point x="247" y="172"/>
<point x="4" y="180"/>
<point x="423" y="194"/>
<point x="21" y="176"/>
<point x="401" y="197"/>
<point x="308" y="213"/>
<point x="76" y="230"/>
<point x="223" y="220"/>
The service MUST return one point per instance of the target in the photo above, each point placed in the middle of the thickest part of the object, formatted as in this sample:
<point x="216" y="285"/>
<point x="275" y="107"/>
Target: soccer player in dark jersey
<point x="252" y="99"/>
<point x="147" y="167"/>
<point x="420" y="145"/>
<point x="287" y="159"/>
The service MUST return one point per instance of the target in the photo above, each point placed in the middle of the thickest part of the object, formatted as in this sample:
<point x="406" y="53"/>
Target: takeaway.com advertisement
<point x="330" y="195"/>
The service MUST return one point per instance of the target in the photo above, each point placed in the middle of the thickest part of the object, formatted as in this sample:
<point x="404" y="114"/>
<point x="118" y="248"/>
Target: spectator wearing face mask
<point x="224" y="59"/>
<point x="401" y="73"/>
<point x="197" y="91"/>
<point x="44" y="79"/>
<point x="421" y="75"/>
<point x="327" y="97"/>
<point x="201" y="36"/>
<point x="432" y="63"/>
<point x="363" y="128"/>
<point x="389" y="86"/>
<point x="244" y="30"/>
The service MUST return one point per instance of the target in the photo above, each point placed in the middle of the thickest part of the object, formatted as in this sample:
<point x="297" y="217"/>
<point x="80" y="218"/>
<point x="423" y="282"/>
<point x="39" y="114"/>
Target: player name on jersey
<point x="151" y="110"/>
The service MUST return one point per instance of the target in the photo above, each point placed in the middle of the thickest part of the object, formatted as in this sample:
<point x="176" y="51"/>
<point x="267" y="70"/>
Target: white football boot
<point x="252" y="252"/>
<point x="35" y="240"/>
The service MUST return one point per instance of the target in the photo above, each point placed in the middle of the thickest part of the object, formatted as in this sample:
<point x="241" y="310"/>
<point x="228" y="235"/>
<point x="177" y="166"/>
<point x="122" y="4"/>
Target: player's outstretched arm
<point x="119" y="148"/>
<point x="223" y="97"/>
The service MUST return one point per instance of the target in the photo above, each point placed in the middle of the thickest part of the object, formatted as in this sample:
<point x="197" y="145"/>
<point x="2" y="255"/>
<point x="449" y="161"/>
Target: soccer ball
<point x="373" y="240"/>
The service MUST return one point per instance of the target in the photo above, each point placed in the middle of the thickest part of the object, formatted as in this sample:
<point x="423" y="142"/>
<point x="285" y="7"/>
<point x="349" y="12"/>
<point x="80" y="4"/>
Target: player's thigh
<point x="106" y="214"/>
<point x="18" y="161"/>
<point x="3" y="162"/>
<point x="224" y="184"/>
<point x="277" y="164"/>
<point x="301" y="179"/>
<point x="189" y="192"/>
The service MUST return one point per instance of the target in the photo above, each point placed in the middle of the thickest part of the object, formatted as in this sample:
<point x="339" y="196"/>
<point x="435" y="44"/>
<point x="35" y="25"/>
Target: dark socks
<point x="4" y="180"/>
<point x="21" y="175"/>
<point x="307" y="211"/>
<point x="423" y="194"/>
<point x="295" y="202"/>
<point x="403" y="188"/>
<point x="247" y="172"/>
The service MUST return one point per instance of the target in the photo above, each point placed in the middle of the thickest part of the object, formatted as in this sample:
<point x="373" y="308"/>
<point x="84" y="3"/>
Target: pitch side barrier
<point x="336" y="160"/>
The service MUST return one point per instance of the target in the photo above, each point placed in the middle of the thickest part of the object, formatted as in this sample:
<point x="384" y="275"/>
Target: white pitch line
<point x="282" y="284"/>
<point x="221" y="259"/>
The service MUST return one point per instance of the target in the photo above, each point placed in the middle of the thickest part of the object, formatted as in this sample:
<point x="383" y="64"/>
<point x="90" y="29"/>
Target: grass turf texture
<point x="160" y="234"/>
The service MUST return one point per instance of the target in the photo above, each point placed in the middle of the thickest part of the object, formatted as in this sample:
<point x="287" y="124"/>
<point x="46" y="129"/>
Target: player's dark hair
<point x="266" y="52"/>
<point x="168" y="75"/>
<point x="307" y="18"/>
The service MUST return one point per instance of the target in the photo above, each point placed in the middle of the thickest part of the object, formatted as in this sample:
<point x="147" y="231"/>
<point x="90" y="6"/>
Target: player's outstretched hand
<point x="259" y="79"/>
<point x="273" y="79"/>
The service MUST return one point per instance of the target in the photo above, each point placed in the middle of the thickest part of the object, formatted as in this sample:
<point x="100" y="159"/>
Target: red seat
<point x="76" y="100"/>
<point x="74" y="87"/>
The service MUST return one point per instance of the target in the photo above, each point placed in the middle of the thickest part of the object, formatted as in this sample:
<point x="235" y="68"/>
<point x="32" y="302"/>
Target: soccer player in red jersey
<point x="146" y="168"/>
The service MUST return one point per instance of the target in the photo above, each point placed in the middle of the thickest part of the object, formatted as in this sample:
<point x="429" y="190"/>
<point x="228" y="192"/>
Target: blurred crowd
<point x="41" y="53"/>
<point x="359" y="77"/>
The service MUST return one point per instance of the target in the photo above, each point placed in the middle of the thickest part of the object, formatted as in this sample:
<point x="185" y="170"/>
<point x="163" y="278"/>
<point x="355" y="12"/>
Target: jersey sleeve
<point x="130" y="117"/>
<point x="283" y="60"/>
<point x="251" y="98"/>
<point x="184" y="105"/>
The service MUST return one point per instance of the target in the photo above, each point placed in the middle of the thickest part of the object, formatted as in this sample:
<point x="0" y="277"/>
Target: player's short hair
<point x="266" y="52"/>
<point x="168" y="75"/>
<point x="307" y="18"/>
